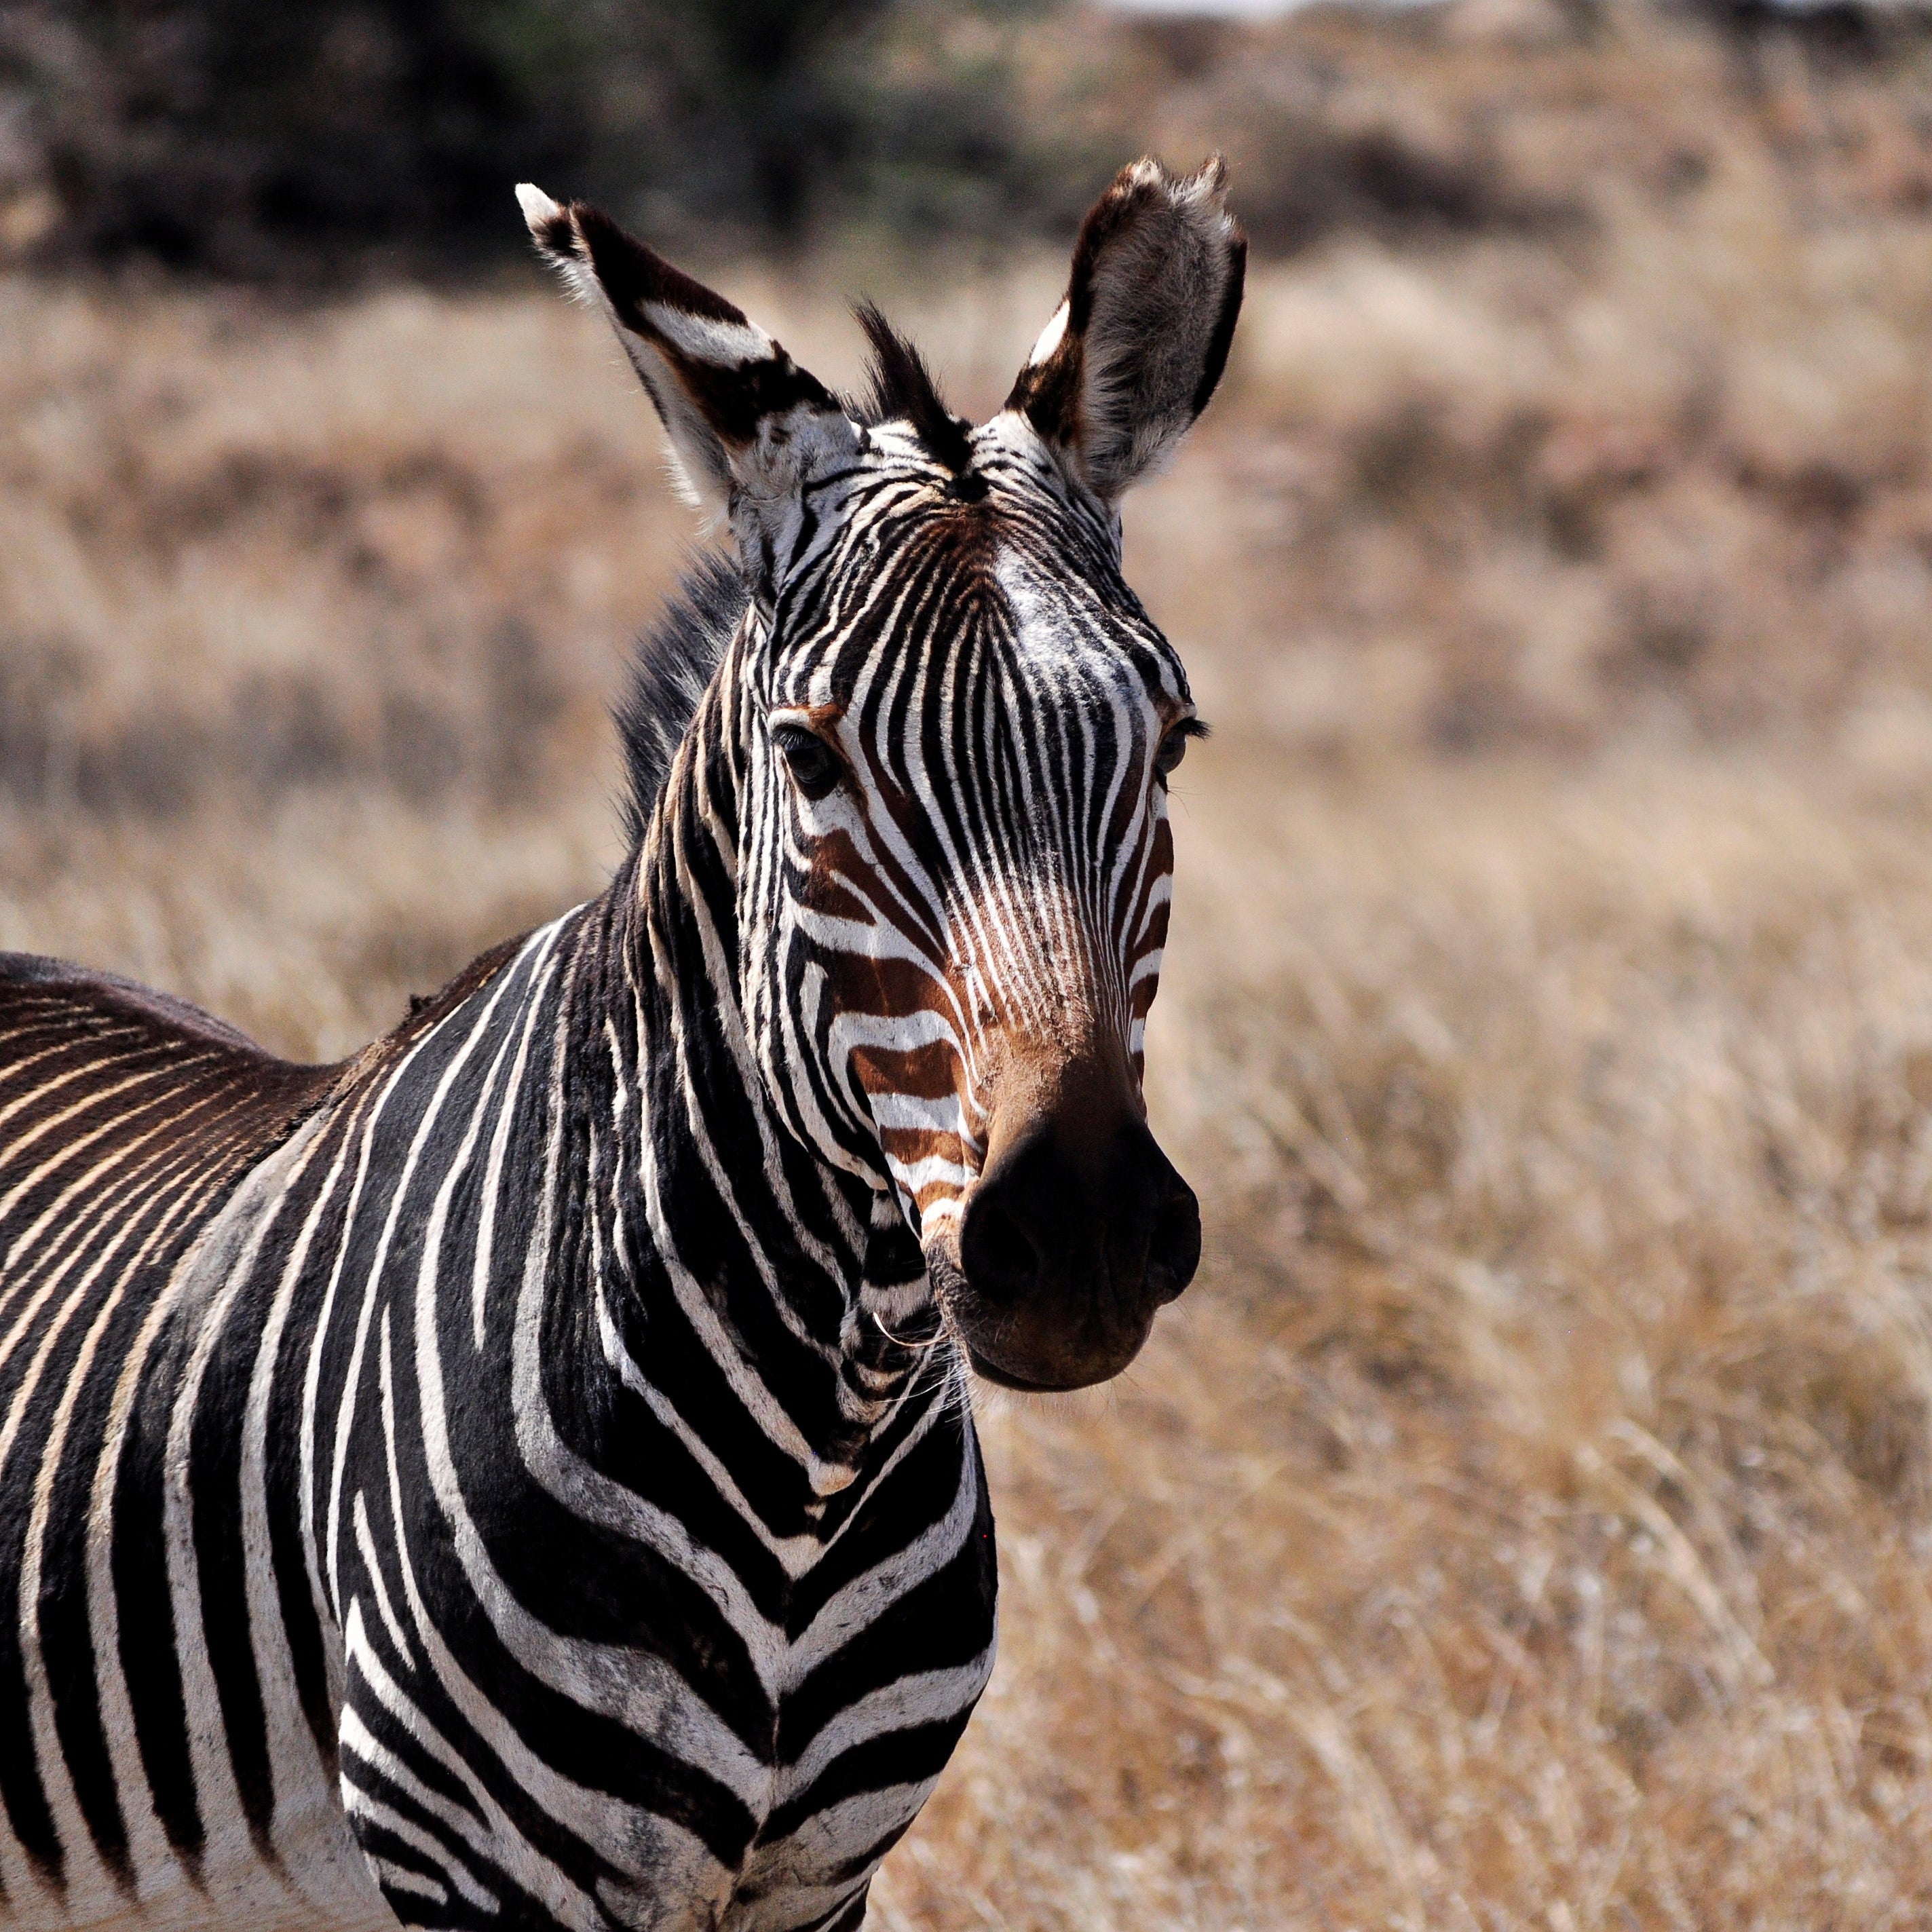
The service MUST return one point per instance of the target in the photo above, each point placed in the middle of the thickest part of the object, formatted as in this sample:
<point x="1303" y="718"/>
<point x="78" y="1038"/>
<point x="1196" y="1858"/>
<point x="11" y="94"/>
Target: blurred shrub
<point x="281" y="141"/>
<point x="251" y="139"/>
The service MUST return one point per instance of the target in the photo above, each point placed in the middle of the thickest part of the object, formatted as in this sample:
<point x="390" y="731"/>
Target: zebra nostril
<point x="1173" y="1247"/>
<point x="1001" y="1260"/>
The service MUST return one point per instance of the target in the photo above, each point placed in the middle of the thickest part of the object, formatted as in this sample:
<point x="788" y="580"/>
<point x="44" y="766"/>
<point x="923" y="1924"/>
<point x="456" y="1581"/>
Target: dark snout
<point x="1073" y="1237"/>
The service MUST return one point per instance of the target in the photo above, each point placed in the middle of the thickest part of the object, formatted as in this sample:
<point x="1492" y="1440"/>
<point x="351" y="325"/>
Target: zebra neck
<point x="802" y="1279"/>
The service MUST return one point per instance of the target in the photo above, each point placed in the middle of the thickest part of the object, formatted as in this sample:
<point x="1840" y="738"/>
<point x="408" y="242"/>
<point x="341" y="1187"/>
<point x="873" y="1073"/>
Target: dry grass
<point x="1621" y="425"/>
<point x="1524" y="1522"/>
<point x="1527" y="1520"/>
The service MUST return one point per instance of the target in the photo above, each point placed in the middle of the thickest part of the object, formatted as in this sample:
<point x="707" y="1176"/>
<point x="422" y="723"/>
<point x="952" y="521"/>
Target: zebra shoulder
<point x="57" y="1016"/>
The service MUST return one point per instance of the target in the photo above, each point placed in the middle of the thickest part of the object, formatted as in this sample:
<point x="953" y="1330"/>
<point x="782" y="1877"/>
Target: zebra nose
<point x="999" y="1249"/>
<point x="1173" y="1248"/>
<point x="1045" y="1222"/>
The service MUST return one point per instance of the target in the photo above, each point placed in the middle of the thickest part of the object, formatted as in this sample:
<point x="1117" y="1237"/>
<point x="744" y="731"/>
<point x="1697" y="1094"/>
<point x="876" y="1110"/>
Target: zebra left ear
<point x="1133" y="355"/>
<point x="747" y="425"/>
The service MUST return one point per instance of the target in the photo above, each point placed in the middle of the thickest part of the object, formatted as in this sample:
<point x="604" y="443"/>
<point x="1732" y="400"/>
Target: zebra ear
<point x="744" y="420"/>
<point x="1134" y="353"/>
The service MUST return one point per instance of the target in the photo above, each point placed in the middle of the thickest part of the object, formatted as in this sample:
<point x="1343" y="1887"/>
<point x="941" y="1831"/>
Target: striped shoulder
<point x="58" y="1018"/>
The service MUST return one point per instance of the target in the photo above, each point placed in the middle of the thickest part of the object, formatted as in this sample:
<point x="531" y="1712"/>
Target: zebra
<point x="524" y="1475"/>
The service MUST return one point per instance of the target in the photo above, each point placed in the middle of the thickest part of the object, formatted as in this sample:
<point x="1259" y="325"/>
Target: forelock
<point x="901" y="387"/>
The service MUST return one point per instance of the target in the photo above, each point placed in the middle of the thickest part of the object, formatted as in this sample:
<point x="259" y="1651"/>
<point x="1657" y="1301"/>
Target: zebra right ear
<point x="747" y="425"/>
<point x="1132" y="355"/>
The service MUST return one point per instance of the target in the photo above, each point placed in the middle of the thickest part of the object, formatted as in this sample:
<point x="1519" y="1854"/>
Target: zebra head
<point x="947" y="726"/>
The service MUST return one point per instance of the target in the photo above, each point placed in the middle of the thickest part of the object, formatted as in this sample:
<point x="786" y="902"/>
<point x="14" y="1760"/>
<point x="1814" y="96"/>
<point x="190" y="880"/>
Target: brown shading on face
<point x="1054" y="1226"/>
<point x="989" y="1020"/>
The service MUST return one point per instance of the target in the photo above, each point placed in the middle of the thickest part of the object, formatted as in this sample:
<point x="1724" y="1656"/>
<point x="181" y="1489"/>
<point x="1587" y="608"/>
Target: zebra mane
<point x="903" y="386"/>
<point x="669" y="669"/>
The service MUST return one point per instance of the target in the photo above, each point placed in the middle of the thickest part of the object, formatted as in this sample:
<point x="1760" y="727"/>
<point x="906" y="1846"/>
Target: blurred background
<point x="1527" y="1520"/>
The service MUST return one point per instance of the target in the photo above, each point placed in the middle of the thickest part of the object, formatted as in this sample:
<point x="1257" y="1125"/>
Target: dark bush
<point x="266" y="140"/>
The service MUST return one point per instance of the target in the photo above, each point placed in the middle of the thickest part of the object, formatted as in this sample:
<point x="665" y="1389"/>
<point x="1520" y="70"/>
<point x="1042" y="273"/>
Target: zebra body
<point x="524" y="1475"/>
<point x="364" y="1603"/>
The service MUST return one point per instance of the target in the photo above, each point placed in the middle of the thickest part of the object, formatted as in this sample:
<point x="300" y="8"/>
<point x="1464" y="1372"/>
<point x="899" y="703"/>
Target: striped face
<point x="955" y="870"/>
<point x="952" y="724"/>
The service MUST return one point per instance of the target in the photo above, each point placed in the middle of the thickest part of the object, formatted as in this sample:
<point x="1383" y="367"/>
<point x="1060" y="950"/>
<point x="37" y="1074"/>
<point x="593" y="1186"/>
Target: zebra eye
<point x="812" y="762"/>
<point x="1174" y="746"/>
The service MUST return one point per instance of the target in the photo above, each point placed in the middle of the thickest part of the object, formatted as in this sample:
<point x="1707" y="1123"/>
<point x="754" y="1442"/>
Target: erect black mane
<point x="669" y="669"/>
<point x="902" y="385"/>
<point x="675" y="658"/>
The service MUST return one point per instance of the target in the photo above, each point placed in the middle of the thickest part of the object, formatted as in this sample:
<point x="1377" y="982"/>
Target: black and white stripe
<point x="523" y="1475"/>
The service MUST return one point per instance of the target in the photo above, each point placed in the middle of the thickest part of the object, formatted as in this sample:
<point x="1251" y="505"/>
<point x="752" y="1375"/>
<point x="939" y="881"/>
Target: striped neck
<point x="808" y="1280"/>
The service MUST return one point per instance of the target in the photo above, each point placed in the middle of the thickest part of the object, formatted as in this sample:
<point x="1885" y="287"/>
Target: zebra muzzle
<point x="1071" y="1241"/>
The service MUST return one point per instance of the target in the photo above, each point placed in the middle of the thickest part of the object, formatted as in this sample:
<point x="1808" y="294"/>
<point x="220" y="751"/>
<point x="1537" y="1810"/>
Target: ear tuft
<point x="552" y="226"/>
<point x="1133" y="354"/>
<point x="549" y="224"/>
